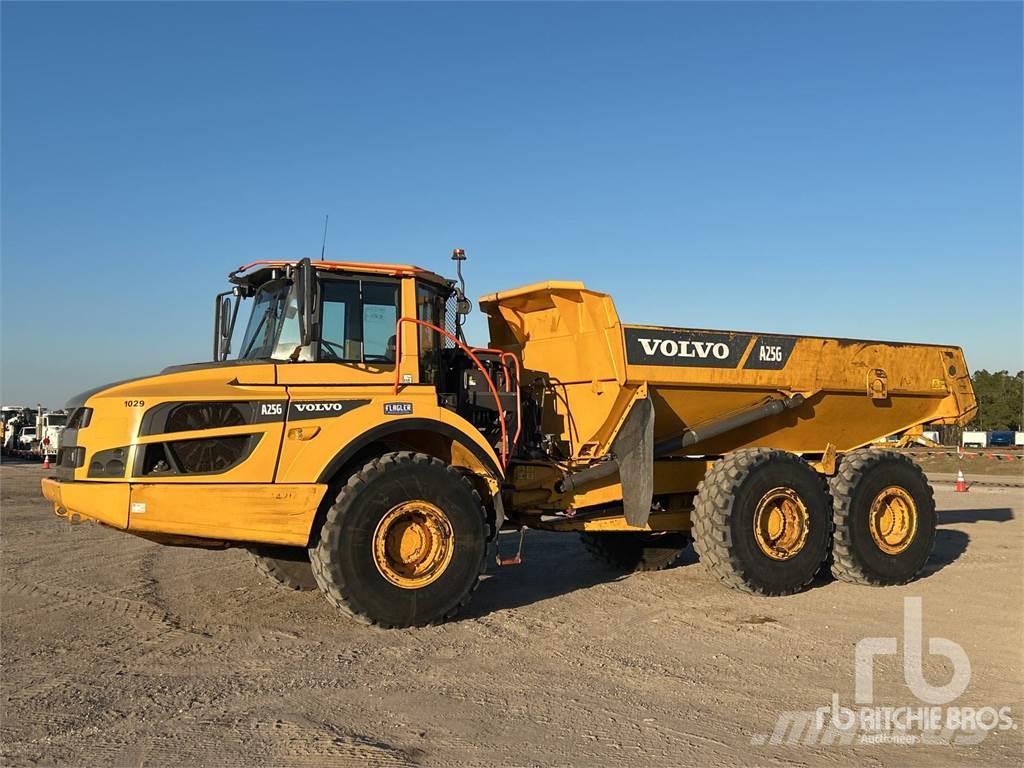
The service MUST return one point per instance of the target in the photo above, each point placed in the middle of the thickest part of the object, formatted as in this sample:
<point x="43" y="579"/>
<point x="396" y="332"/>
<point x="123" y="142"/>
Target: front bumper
<point x="105" y="503"/>
<point x="269" y="513"/>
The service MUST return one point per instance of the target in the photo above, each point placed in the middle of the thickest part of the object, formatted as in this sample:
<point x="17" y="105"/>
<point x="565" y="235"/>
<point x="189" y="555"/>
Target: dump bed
<point x="857" y="391"/>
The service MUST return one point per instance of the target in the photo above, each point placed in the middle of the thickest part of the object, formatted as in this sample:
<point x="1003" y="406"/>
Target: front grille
<point x="211" y="454"/>
<point x="191" y="417"/>
<point x="202" y="456"/>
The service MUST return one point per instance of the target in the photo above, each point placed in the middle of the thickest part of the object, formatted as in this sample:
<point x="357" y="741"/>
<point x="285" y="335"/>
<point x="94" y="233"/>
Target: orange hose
<point x="476" y="361"/>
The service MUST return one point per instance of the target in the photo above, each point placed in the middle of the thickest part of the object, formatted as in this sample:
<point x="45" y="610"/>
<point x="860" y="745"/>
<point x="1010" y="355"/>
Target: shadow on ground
<point x="949" y="546"/>
<point x="994" y="515"/>
<point x="554" y="564"/>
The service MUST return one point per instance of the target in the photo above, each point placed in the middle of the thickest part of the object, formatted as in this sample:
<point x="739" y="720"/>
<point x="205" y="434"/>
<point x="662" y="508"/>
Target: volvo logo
<point x="681" y="347"/>
<point x="319" y="407"/>
<point x="673" y="348"/>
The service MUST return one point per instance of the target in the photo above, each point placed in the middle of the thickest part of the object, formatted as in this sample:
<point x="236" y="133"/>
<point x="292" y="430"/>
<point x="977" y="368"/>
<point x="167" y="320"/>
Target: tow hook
<point x="518" y="558"/>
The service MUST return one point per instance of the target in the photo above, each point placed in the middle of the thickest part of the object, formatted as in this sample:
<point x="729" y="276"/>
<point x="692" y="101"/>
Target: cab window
<point x="357" y="321"/>
<point x="430" y="308"/>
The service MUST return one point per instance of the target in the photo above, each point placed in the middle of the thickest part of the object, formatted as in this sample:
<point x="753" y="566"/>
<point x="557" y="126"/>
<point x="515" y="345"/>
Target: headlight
<point x="108" y="463"/>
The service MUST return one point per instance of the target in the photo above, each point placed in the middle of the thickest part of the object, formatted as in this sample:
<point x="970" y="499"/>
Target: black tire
<point x="856" y="556"/>
<point x="724" y="514"/>
<point x="288" y="566"/>
<point x="343" y="560"/>
<point x="634" y="552"/>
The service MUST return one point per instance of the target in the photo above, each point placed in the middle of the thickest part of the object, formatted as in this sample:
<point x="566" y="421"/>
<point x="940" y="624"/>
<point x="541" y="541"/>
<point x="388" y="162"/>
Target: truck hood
<point x="81" y="398"/>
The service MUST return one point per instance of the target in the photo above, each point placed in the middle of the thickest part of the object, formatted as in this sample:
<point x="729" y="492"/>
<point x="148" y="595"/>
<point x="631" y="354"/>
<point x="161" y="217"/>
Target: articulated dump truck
<point x="356" y="443"/>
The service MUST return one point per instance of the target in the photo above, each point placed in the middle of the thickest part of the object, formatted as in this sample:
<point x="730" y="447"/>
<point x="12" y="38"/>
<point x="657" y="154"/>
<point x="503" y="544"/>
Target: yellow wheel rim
<point x="413" y="544"/>
<point x="893" y="520"/>
<point x="781" y="524"/>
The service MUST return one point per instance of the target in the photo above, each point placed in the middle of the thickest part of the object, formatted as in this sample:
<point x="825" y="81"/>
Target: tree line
<point x="1000" y="401"/>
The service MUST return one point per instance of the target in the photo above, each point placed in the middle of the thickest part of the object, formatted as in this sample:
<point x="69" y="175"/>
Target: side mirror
<point x="225" y="318"/>
<point x="304" y="286"/>
<point x="223" y="324"/>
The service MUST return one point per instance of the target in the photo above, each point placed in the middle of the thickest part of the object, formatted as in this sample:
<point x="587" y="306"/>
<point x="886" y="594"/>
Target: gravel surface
<point x="116" y="651"/>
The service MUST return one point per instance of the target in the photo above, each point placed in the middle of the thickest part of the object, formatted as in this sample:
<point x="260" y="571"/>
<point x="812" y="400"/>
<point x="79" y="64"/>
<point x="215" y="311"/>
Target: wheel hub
<point x="781" y="524"/>
<point x="413" y="544"/>
<point x="892" y="520"/>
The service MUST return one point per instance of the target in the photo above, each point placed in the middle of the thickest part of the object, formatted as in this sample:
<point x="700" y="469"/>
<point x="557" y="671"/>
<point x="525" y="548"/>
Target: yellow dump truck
<point x="355" y="442"/>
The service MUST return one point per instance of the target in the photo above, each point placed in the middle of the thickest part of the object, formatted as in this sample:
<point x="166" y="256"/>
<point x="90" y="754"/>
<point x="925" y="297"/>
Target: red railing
<point x="476" y="362"/>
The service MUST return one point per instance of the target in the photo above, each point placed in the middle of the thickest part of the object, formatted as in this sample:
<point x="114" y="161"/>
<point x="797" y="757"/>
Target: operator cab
<point x="383" y="323"/>
<point x="327" y="311"/>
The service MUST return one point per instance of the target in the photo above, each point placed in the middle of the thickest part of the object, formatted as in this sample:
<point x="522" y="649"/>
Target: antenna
<point x="323" y="245"/>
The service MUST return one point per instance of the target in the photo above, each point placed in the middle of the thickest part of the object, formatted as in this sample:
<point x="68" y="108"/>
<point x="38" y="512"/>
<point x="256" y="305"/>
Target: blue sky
<point x="835" y="169"/>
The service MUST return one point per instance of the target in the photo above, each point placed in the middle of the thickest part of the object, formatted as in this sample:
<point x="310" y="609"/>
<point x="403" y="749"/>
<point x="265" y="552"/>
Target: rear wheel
<point x="884" y="514"/>
<point x="636" y="551"/>
<point x="404" y="544"/>
<point x="288" y="566"/>
<point x="761" y="521"/>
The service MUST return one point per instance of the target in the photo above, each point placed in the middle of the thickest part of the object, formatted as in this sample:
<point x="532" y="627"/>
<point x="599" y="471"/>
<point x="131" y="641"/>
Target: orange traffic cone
<point x="961" y="483"/>
<point x="46" y="461"/>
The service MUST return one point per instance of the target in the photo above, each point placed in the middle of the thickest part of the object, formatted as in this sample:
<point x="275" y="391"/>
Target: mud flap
<point x="499" y="512"/>
<point x="633" y="448"/>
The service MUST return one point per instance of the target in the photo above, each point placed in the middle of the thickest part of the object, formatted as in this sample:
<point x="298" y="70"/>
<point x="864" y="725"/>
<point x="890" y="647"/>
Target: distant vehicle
<point x="975" y="440"/>
<point x="1018" y="438"/>
<point x="931" y="434"/>
<point x="49" y="428"/>
<point x="27" y="438"/>
<point x="1001" y="439"/>
<point x="41" y="436"/>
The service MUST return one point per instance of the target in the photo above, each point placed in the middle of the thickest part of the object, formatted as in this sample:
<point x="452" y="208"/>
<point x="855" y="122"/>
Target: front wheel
<point x="288" y="566"/>
<point x="761" y="521"/>
<point x="404" y="544"/>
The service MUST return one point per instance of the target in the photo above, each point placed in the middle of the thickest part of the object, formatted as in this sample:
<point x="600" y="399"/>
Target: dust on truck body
<point x="357" y="444"/>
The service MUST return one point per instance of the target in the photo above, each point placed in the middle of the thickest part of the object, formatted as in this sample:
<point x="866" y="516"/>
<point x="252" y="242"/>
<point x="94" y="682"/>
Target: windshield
<point x="56" y="419"/>
<point x="273" y="329"/>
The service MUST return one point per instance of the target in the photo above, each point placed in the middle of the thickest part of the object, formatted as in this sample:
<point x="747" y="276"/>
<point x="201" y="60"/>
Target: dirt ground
<point x="119" y="652"/>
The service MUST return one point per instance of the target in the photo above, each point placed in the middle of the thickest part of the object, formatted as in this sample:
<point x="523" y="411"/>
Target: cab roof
<point x="249" y="273"/>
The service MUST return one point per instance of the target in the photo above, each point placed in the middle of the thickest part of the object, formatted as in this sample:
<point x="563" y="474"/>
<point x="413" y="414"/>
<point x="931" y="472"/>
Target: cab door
<point x="335" y="396"/>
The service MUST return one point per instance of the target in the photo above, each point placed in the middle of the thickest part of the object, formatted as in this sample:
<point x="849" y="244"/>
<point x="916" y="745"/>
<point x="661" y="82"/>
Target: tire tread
<point x="322" y="557"/>
<point x="845" y="565"/>
<point x="712" y="535"/>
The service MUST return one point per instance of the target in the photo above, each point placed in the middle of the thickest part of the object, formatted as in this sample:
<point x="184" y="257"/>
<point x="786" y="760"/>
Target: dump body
<point x="855" y="391"/>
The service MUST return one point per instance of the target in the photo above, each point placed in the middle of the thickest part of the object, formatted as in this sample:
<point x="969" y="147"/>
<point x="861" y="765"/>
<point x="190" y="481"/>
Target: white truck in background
<point x="49" y="427"/>
<point x="974" y="440"/>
